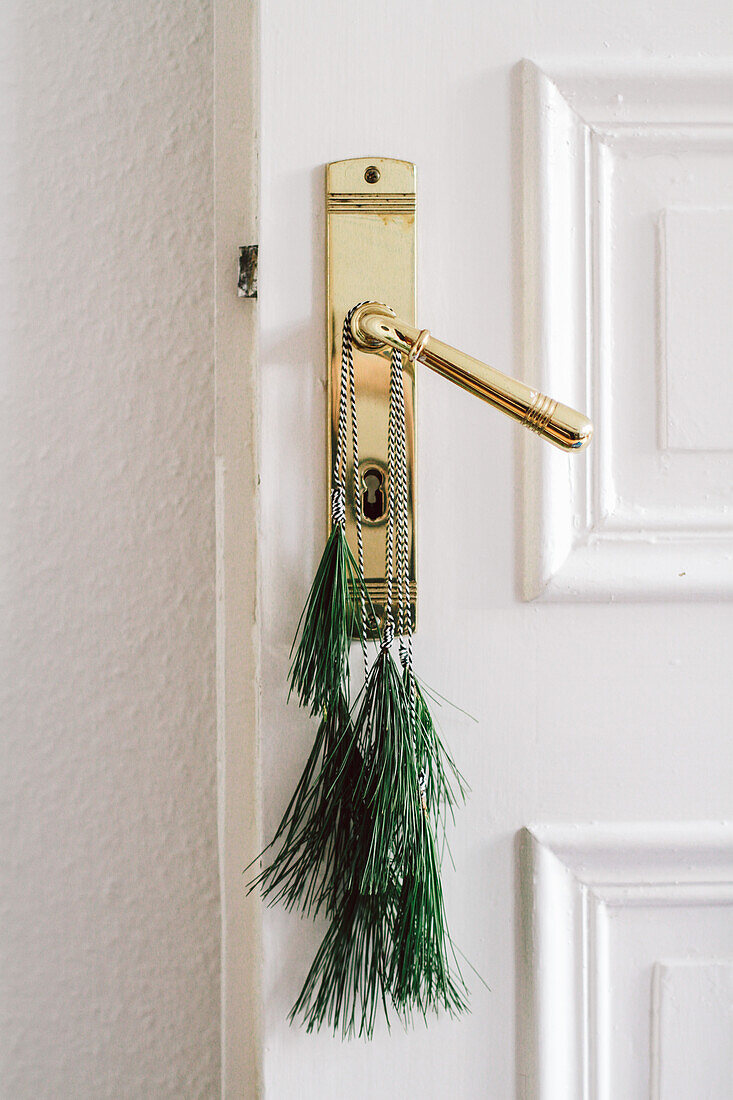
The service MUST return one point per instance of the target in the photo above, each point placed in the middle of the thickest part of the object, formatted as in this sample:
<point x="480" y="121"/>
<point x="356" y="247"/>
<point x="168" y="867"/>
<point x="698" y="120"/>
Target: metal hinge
<point x="247" y="282"/>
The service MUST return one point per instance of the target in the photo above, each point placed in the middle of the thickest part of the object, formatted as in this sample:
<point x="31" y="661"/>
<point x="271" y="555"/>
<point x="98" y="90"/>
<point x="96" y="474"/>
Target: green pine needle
<point x="313" y="835"/>
<point x="319" y="667"/>
<point x="316" y="831"/>
<point x="445" y="787"/>
<point x="388" y="786"/>
<point x="348" y="980"/>
<point x="388" y="941"/>
<point x="357" y="841"/>
<point x="424" y="974"/>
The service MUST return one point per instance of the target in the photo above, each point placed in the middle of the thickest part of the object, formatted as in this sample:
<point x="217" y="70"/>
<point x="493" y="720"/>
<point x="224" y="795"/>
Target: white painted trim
<point x="571" y="876"/>
<point x="236" y="174"/>
<point x="575" y="548"/>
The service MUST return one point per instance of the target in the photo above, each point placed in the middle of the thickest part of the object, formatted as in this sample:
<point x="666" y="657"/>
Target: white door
<point x="575" y="229"/>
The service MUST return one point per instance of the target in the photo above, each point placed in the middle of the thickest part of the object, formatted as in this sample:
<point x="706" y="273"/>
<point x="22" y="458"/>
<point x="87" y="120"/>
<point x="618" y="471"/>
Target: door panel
<point x="628" y="234"/>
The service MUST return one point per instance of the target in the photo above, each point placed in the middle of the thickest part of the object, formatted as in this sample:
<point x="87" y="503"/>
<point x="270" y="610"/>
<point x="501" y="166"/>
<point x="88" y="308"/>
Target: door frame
<point x="236" y="200"/>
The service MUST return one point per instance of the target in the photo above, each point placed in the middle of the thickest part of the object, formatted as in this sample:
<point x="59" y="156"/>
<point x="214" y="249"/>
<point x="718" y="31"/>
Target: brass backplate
<point x="370" y="256"/>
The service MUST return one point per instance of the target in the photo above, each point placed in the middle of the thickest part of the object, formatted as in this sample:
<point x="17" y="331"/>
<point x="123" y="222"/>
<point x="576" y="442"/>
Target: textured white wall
<point x="109" y="914"/>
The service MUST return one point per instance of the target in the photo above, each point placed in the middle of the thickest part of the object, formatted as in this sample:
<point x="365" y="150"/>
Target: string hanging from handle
<point x="357" y="842"/>
<point x="424" y="972"/>
<point x="387" y="944"/>
<point x="347" y="355"/>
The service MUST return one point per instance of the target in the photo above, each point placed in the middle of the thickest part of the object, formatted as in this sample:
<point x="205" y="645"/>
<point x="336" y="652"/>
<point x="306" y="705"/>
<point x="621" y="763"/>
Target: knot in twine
<point x="338" y="504"/>
<point x="388" y="633"/>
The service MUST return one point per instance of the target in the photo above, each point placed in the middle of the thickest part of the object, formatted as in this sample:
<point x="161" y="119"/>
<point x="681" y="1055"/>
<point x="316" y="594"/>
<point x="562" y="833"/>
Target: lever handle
<point x="373" y="326"/>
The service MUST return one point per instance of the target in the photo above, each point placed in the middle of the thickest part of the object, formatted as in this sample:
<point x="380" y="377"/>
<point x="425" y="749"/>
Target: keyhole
<point x="374" y="498"/>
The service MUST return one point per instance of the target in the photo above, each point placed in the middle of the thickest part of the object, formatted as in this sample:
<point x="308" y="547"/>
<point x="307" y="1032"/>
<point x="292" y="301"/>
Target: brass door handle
<point x="373" y="326"/>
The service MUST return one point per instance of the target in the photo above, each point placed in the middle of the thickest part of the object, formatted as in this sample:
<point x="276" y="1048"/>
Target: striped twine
<point x="347" y="358"/>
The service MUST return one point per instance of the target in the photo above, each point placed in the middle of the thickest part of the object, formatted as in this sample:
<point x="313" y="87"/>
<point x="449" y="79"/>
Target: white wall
<point x="109" y="917"/>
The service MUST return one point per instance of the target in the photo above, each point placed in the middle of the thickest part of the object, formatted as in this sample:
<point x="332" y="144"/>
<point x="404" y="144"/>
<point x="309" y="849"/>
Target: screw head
<point x="372" y="174"/>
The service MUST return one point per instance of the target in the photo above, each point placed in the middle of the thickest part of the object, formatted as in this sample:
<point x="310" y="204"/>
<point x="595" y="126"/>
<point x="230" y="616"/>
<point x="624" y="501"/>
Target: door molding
<point x="578" y="884"/>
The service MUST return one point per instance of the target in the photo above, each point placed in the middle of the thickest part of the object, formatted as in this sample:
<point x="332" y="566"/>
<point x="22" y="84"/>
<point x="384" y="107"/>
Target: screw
<point x="372" y="174"/>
